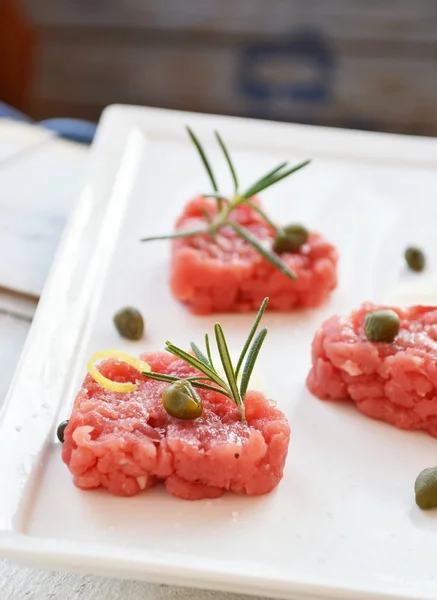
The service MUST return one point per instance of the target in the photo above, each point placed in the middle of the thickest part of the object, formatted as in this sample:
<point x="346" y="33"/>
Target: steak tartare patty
<point x="228" y="275"/>
<point x="392" y="382"/>
<point x="127" y="442"/>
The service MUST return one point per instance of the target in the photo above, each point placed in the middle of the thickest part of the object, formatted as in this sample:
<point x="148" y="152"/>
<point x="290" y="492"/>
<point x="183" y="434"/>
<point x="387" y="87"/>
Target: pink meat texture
<point x="392" y="382"/>
<point x="126" y="442"/>
<point x="229" y="275"/>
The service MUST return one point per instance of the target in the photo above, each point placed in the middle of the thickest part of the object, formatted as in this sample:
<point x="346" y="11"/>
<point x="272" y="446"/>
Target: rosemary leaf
<point x="251" y="360"/>
<point x="203" y="158"/>
<point x="198" y="352"/>
<point x="251" y="336"/>
<point x="211" y="388"/>
<point x="264" y="215"/>
<point x="253" y="241"/>
<point x="194" y="383"/>
<point x="160" y="376"/>
<point x="176" y="234"/>
<point x="208" y="351"/>
<point x="204" y="364"/>
<point x="228" y="368"/>
<point x="208" y="217"/>
<point x="278" y="176"/>
<point x="253" y="189"/>
<point x="206" y="214"/>
<point x="194" y="362"/>
<point x="228" y="160"/>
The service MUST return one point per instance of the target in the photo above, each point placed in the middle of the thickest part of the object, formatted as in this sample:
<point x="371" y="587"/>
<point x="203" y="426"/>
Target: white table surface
<point x="40" y="177"/>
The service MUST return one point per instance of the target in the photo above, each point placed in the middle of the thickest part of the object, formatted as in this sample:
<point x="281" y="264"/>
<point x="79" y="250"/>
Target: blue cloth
<point x="72" y="129"/>
<point x="76" y="130"/>
<point x="8" y="112"/>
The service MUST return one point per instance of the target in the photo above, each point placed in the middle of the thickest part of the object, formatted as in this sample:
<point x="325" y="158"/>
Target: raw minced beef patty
<point x="393" y="382"/>
<point x="229" y="275"/>
<point x="126" y="442"/>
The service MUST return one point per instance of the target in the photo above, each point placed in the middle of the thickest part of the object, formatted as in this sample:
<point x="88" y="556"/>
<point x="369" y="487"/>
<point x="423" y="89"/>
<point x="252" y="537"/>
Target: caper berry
<point x="60" y="431"/>
<point x="291" y="240"/>
<point x="381" y="325"/>
<point x="181" y="401"/>
<point x="415" y="258"/>
<point x="425" y="488"/>
<point x="129" y="323"/>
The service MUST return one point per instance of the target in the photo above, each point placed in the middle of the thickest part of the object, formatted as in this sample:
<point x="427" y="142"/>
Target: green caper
<point x="291" y="240"/>
<point x="182" y="401"/>
<point x="60" y="431"/>
<point x="425" y="488"/>
<point x="129" y="323"/>
<point x="381" y="325"/>
<point x="415" y="258"/>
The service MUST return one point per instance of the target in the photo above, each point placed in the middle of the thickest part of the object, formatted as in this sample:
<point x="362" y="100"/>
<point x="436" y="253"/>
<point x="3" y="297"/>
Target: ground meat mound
<point x="126" y="442"/>
<point x="229" y="275"/>
<point x="393" y="382"/>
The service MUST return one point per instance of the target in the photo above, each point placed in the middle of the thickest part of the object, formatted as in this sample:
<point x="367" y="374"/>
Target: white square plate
<point x="342" y="523"/>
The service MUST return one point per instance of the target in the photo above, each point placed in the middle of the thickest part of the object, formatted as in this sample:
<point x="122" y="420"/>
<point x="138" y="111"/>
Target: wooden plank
<point x="16" y="49"/>
<point x="394" y="19"/>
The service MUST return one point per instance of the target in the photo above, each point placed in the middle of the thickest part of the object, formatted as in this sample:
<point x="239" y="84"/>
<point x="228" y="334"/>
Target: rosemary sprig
<point x="265" y="216"/>
<point x="226" y="205"/>
<point x="202" y="362"/>
<point x="210" y="220"/>
<point x="203" y="158"/>
<point x="178" y="234"/>
<point x="254" y="187"/>
<point x="194" y="382"/>
<point x="228" y="159"/>
<point x="208" y="350"/>
<point x="251" y="360"/>
<point x="255" y="243"/>
<point x="228" y="368"/>
<point x="275" y="176"/>
<point x="197" y="364"/>
<point x="198" y="352"/>
<point x="250" y="336"/>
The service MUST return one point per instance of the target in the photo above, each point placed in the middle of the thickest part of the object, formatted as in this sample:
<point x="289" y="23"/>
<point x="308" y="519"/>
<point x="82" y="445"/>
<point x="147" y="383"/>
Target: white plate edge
<point x="316" y="141"/>
<point x="114" y="121"/>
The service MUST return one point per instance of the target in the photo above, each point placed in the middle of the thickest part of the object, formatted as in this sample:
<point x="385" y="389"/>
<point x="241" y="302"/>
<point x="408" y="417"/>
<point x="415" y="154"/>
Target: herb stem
<point x="228" y="160"/>
<point x="267" y="219"/>
<point x="225" y="206"/>
<point x="177" y="234"/>
<point x="251" y="335"/>
<point x="228" y="368"/>
<point x="203" y="157"/>
<point x="255" y="243"/>
<point x="203" y="362"/>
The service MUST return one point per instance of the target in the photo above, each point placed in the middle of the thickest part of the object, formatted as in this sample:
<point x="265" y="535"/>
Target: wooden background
<point x="345" y="63"/>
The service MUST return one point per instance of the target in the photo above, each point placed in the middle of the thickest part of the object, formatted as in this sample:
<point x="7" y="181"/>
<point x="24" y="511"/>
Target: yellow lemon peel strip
<point x="115" y="386"/>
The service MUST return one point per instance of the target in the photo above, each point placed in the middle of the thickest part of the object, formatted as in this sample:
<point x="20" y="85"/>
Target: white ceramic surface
<point x="16" y="581"/>
<point x="343" y="522"/>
